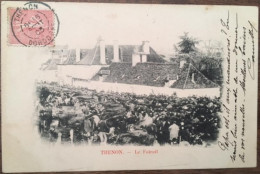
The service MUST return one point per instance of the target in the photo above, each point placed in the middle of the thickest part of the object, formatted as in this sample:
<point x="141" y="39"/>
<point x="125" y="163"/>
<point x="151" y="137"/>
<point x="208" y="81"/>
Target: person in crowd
<point x="171" y="120"/>
<point x="174" y="133"/>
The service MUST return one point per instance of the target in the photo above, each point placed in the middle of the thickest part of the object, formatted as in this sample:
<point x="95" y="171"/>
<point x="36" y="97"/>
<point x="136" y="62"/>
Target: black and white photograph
<point x="130" y="94"/>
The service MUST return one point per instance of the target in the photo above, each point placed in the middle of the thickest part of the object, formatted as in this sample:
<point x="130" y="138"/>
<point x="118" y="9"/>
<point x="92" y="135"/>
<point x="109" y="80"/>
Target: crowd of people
<point x="79" y="115"/>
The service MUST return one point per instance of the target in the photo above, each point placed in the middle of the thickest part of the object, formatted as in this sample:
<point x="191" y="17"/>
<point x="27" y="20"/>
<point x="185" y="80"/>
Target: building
<point x="59" y="55"/>
<point x="103" y="54"/>
<point x="142" y="73"/>
<point x="99" y="62"/>
<point x="120" y="65"/>
<point x="191" y="78"/>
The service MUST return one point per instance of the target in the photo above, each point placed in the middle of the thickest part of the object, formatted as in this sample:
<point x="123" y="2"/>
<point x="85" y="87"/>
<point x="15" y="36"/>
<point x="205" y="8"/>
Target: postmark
<point x="34" y="24"/>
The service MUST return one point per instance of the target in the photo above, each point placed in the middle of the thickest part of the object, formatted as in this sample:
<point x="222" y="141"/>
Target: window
<point x="105" y="72"/>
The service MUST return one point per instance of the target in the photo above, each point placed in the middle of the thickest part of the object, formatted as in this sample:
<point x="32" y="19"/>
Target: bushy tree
<point x="187" y="44"/>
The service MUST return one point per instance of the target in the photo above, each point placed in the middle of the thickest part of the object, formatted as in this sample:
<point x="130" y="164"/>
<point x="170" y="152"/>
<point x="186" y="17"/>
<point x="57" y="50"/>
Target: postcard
<point x="103" y="86"/>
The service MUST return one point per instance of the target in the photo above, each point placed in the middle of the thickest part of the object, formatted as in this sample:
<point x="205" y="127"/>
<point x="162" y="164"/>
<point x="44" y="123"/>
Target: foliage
<point x="212" y="69"/>
<point x="209" y="63"/>
<point x="187" y="44"/>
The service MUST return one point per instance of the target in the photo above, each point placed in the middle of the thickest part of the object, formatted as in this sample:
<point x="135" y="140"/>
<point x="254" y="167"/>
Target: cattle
<point x="96" y="119"/>
<point x="136" y="139"/>
<point x="67" y="101"/>
<point x="59" y="100"/>
<point x="146" y="121"/>
<point x="121" y="118"/>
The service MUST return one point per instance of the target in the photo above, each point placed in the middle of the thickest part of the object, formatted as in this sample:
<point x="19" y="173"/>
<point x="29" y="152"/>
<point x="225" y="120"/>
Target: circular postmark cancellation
<point x="35" y="24"/>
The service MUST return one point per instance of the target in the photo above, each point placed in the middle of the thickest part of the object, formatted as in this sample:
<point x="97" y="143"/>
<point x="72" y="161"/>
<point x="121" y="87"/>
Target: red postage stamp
<point x="32" y="26"/>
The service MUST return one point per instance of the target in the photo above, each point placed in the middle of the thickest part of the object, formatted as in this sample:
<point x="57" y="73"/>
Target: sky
<point x="81" y="25"/>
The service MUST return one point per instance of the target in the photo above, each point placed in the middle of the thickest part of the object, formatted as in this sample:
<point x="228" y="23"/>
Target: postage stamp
<point x="35" y="24"/>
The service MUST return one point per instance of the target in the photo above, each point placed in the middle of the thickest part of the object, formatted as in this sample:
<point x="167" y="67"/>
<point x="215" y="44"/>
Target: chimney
<point x="102" y="52"/>
<point x="116" y="51"/>
<point x="135" y="59"/>
<point x="192" y="78"/>
<point x="146" y="47"/>
<point x="77" y="54"/>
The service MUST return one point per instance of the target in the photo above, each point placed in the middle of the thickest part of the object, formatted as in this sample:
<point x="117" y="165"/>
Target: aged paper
<point x="94" y="87"/>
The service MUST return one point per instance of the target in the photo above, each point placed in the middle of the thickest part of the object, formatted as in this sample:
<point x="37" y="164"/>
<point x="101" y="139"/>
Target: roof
<point x="96" y="76"/>
<point x="52" y="64"/>
<point x="92" y="56"/>
<point x="185" y="80"/>
<point x="47" y="62"/>
<point x="151" y="74"/>
<point x="71" y="59"/>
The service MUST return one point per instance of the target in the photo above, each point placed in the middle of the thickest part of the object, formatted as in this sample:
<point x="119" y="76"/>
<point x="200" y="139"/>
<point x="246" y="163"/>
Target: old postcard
<point x="95" y="86"/>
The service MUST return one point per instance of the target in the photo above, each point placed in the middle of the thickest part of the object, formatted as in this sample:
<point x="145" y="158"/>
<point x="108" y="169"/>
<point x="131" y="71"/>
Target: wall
<point x="140" y="90"/>
<point x="66" y="72"/>
<point x="135" y="59"/>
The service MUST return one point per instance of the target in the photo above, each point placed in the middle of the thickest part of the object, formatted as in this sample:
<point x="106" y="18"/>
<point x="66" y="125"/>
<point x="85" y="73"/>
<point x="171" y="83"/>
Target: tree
<point x="212" y="69"/>
<point x="187" y="44"/>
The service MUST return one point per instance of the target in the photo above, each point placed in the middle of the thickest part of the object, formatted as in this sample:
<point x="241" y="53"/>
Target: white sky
<point x="80" y="25"/>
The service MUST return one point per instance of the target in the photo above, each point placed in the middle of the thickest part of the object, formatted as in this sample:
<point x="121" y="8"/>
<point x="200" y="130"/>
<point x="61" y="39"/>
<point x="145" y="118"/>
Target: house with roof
<point x="59" y="55"/>
<point x="103" y="54"/>
<point x="106" y="62"/>
<point x="131" y="67"/>
<point x="191" y="78"/>
<point x="142" y="73"/>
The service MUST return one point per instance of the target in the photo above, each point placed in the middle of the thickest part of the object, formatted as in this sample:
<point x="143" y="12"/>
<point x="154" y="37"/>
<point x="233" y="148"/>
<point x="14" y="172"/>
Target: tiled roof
<point x="52" y="64"/>
<point x="119" y="72"/>
<point x="185" y="79"/>
<point x="71" y="59"/>
<point x="151" y="74"/>
<point x="90" y="56"/>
